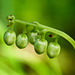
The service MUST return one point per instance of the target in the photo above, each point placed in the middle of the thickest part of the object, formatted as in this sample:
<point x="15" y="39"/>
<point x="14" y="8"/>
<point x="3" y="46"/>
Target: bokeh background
<point x="59" y="14"/>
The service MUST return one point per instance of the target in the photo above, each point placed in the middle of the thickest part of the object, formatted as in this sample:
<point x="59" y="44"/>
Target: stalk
<point x="50" y="29"/>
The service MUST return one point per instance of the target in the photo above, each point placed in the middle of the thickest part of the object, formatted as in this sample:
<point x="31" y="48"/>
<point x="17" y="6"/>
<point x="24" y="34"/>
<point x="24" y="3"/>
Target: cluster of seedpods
<point x="35" y="37"/>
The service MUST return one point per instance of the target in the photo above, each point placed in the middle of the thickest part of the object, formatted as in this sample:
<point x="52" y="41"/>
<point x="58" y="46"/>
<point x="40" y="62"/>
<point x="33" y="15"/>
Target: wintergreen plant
<point x="35" y="34"/>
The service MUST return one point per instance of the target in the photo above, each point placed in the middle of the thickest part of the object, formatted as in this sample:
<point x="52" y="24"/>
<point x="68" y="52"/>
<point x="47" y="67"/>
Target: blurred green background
<point x="59" y="14"/>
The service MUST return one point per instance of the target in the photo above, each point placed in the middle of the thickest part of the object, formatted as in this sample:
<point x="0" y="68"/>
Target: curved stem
<point x="24" y="30"/>
<point x="56" y="39"/>
<point x="43" y="36"/>
<point x="49" y="29"/>
<point x="11" y="27"/>
<point x="43" y="33"/>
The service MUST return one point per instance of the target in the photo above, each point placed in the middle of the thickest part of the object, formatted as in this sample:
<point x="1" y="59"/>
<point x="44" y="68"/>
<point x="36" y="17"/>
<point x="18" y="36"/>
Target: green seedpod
<point x="9" y="37"/>
<point x="40" y="46"/>
<point x="22" y="41"/>
<point x="53" y="49"/>
<point x="33" y="36"/>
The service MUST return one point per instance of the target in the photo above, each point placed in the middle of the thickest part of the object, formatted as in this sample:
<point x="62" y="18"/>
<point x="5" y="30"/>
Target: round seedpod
<point x="22" y="41"/>
<point x="40" y="46"/>
<point x="53" y="49"/>
<point x="33" y="36"/>
<point x="9" y="37"/>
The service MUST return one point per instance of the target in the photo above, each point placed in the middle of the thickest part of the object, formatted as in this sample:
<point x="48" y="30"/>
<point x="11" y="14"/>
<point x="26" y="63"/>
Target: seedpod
<point x="33" y="36"/>
<point x="40" y="46"/>
<point x="22" y="41"/>
<point x="53" y="49"/>
<point x="9" y="37"/>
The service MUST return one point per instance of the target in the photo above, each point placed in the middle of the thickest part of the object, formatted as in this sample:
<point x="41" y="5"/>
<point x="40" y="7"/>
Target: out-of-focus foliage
<point x="59" y="14"/>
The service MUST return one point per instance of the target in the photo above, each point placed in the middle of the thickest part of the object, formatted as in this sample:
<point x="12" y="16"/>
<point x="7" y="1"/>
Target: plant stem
<point x="11" y="27"/>
<point x="56" y="39"/>
<point x="49" y="29"/>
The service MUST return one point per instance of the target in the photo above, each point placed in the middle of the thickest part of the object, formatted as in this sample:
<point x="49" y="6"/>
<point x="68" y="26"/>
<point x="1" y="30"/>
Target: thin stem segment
<point x="49" y="29"/>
